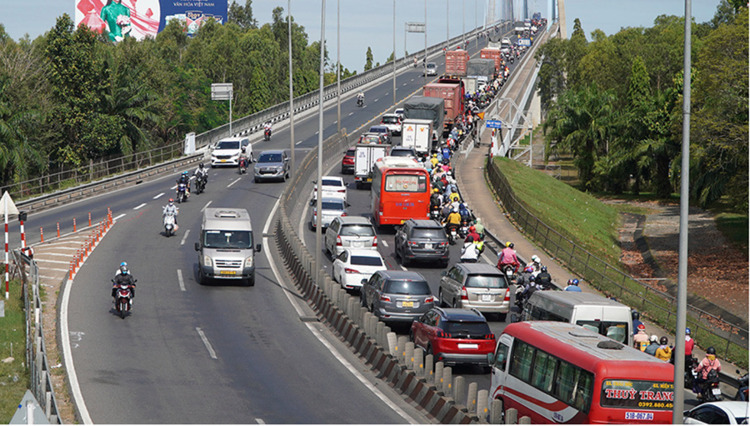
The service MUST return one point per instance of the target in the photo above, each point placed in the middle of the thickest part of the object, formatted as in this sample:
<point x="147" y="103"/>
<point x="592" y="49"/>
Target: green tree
<point x="368" y="59"/>
<point x="242" y="15"/>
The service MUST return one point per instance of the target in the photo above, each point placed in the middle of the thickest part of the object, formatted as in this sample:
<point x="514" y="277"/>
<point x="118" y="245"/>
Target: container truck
<point x="495" y="55"/>
<point x="417" y="134"/>
<point x="455" y="62"/>
<point x="427" y="108"/>
<point x="452" y="95"/>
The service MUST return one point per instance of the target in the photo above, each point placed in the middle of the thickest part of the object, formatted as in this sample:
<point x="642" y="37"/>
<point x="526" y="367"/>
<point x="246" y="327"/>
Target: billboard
<point x="145" y="18"/>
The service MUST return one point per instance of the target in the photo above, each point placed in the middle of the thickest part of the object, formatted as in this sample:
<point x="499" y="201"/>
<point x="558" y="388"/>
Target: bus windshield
<point x="405" y="183"/>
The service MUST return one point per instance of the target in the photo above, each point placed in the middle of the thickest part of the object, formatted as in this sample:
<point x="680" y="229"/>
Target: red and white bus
<point x="557" y="372"/>
<point x="400" y="191"/>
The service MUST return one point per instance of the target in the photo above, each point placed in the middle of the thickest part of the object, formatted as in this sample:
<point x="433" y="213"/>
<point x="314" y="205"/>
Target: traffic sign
<point x="494" y="124"/>
<point x="524" y="42"/>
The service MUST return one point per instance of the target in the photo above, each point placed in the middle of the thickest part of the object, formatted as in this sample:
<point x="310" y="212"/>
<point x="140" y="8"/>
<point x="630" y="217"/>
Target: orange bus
<point x="400" y="191"/>
<point x="557" y="372"/>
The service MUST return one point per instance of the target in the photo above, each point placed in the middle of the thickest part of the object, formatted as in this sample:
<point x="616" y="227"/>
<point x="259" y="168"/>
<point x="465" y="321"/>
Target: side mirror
<point x="490" y="358"/>
<point x="197" y="246"/>
<point x="258" y="248"/>
<point x="364" y="281"/>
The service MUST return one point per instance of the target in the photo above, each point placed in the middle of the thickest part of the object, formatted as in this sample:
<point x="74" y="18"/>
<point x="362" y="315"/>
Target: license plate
<point x="488" y="298"/>
<point x="359" y="244"/>
<point x="468" y="346"/>
<point x="629" y="415"/>
<point x="716" y="391"/>
<point x="407" y="304"/>
<point x="228" y="272"/>
<point x="223" y="161"/>
<point x="428" y="246"/>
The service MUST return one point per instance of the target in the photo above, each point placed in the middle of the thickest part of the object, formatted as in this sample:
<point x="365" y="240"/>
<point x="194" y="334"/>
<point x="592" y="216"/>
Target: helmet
<point x="663" y="340"/>
<point x="710" y="351"/>
<point x="125" y="264"/>
<point x="654" y="338"/>
<point x="171" y="201"/>
<point x="575" y="281"/>
<point x="528" y="269"/>
<point x="435" y="190"/>
<point x="636" y="315"/>
<point x="641" y="327"/>
<point x="185" y="173"/>
<point x="508" y="244"/>
<point x="434" y="155"/>
<point x="535" y="259"/>
<point x="124" y="270"/>
<point x="461" y="206"/>
<point x="472" y="228"/>
<point x="687" y="331"/>
<point x="532" y="279"/>
<point x="200" y="166"/>
<point x="544" y="269"/>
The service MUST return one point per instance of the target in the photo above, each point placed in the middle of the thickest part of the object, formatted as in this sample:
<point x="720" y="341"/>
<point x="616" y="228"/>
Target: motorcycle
<point x="200" y="184"/>
<point x="742" y="390"/>
<point x="169" y="226"/>
<point x="452" y="234"/>
<point x="360" y="102"/>
<point x="181" y="192"/>
<point x="435" y="212"/>
<point x="509" y="271"/>
<point x="709" y="389"/>
<point x="243" y="165"/>
<point x="690" y="374"/>
<point x="267" y="135"/>
<point x="463" y="230"/>
<point x="123" y="299"/>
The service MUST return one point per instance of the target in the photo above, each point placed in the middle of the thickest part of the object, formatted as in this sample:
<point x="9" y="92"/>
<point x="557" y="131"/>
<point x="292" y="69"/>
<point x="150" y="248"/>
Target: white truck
<point x="417" y="134"/>
<point x="365" y="156"/>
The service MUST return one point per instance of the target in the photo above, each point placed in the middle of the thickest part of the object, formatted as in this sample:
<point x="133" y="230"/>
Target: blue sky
<point x="370" y="23"/>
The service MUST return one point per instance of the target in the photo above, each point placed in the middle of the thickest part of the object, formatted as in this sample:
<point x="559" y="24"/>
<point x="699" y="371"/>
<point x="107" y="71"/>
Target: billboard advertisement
<point x="145" y="18"/>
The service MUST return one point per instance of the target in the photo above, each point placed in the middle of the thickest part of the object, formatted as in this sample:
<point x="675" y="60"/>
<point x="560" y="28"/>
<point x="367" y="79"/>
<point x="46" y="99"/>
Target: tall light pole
<point x="293" y="167"/>
<point x="338" y="63"/>
<point x="463" y="24"/>
<point x="394" y="52"/>
<point x="425" y="41"/>
<point x="447" y="20"/>
<point x="319" y="203"/>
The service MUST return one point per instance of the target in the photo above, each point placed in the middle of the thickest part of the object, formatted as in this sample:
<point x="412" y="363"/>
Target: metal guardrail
<point x="607" y="277"/>
<point x="36" y="355"/>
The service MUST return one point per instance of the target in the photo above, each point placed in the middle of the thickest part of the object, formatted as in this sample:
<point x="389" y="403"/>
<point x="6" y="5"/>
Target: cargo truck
<point x="495" y="55"/>
<point x="365" y="156"/>
<point x="427" y="108"/>
<point x="455" y="62"/>
<point x="452" y="96"/>
<point x="417" y="133"/>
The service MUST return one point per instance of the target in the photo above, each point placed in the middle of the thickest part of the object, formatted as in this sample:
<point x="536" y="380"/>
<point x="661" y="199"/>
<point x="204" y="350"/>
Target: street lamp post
<point x="319" y="203"/>
<point x="394" y="52"/>
<point x="338" y="64"/>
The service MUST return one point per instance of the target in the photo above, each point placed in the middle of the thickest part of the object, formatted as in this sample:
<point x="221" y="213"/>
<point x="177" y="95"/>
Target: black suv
<point x="422" y="240"/>
<point x="396" y="296"/>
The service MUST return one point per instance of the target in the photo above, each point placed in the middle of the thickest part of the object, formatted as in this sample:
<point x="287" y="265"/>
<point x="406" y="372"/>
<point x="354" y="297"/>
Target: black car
<point x="422" y="240"/>
<point x="383" y="130"/>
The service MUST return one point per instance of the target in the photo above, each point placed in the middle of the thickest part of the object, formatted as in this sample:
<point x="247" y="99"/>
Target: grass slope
<point x="577" y="215"/>
<point x="14" y="378"/>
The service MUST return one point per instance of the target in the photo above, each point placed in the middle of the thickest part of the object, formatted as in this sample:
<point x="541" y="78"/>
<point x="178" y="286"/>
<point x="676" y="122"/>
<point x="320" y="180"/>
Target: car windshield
<point x="428" y="233"/>
<point x="614" y="330"/>
<point x="378" y="129"/>
<point x="390" y="120"/>
<point x="269" y="158"/>
<point x="467" y="330"/>
<point x="370" y="139"/>
<point x="228" y="239"/>
<point x="350" y="152"/>
<point x="228" y="145"/>
<point x="418" y="288"/>
<point x="486" y="281"/>
<point x="357" y="231"/>
<point x="333" y="205"/>
<point x="431" y="65"/>
<point x="332" y="182"/>
<point x="366" y="261"/>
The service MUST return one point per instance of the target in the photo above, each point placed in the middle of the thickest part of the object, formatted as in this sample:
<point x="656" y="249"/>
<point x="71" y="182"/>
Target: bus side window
<point x="501" y="356"/>
<point x="567" y="377"/>
<point x="584" y="390"/>
<point x="544" y="371"/>
<point x="520" y="362"/>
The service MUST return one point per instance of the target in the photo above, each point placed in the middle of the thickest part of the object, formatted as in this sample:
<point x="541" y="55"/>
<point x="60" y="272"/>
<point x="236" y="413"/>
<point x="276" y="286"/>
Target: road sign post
<point x="223" y="92"/>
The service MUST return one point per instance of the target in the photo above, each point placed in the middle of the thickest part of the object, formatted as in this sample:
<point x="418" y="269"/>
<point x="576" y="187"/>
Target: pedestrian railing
<point x="730" y="340"/>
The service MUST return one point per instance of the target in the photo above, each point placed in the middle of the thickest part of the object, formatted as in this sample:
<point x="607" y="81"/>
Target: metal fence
<point x="615" y="283"/>
<point x="40" y="382"/>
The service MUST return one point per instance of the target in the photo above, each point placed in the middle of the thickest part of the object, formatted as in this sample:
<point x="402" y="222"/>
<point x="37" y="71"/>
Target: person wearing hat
<point x="653" y="345"/>
<point x="640" y="340"/>
<point x="664" y="352"/>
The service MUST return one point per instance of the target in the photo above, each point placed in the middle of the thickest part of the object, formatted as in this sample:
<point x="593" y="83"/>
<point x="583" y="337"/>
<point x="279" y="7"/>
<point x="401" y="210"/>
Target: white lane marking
<point x="207" y="204"/>
<point x="210" y="348"/>
<point x="403" y="267"/>
<point x="405" y="83"/>
<point x="295" y="304"/>
<point x="68" y="359"/>
<point x="159" y="195"/>
<point x="179" y="278"/>
<point x="385" y="243"/>
<point x="260" y="421"/>
<point x="120" y="216"/>
<point x="351" y="113"/>
<point x="412" y="79"/>
<point x="174" y="187"/>
<point x="235" y="181"/>
<point x="139" y="206"/>
<point x="335" y="122"/>
<point x="299" y="142"/>
<point x="316" y="133"/>
<point x="376" y="99"/>
<point x="187" y="232"/>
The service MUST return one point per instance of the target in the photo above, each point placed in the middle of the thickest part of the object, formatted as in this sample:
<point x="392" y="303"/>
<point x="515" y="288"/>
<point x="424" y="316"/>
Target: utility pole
<point x="338" y="64"/>
<point x="293" y="167"/>
<point x="318" y="205"/>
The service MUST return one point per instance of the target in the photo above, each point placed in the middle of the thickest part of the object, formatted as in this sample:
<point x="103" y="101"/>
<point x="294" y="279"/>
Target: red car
<point x="347" y="163"/>
<point x="454" y="336"/>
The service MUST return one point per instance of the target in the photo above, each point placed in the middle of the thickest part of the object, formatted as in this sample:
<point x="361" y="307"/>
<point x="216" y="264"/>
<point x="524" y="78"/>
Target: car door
<point x="399" y="238"/>
<point x="330" y="236"/>
<point x="340" y="263"/>
<point x="422" y="334"/>
<point x="369" y="289"/>
<point x="452" y="285"/>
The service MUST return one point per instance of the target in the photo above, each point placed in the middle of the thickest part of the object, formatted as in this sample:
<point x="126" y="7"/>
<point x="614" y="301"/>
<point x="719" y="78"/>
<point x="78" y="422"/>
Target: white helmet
<point x="535" y="259"/>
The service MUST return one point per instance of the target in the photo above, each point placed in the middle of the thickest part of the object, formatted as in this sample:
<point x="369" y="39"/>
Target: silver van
<point x="596" y="313"/>
<point x="226" y="246"/>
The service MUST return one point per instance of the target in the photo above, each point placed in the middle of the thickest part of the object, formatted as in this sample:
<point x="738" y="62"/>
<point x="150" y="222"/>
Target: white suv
<point x="227" y="152"/>
<point x="355" y="232"/>
<point x="393" y="122"/>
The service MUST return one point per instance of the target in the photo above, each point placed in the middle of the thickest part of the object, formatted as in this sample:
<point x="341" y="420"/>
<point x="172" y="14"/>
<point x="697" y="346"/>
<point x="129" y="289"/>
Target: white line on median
<point x="159" y="195"/>
<point x="235" y="181"/>
<point x="120" y="216"/>
<point x="351" y="113"/>
<point x="187" y="232"/>
<point x="210" y="348"/>
<point x="139" y="206"/>
<point x="179" y="278"/>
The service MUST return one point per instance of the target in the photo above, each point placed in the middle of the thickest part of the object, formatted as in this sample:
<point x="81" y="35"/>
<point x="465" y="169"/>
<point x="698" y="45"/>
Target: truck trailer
<point x="427" y="108"/>
<point x="452" y="95"/>
<point x="455" y="62"/>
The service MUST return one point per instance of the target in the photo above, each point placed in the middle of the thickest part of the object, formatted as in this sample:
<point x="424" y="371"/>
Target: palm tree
<point x="17" y="155"/>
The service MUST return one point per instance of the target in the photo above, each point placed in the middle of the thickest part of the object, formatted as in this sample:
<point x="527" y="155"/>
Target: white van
<point x="226" y="246"/>
<point x="597" y="313"/>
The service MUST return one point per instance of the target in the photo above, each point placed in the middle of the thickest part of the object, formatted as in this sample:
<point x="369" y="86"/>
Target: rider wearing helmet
<point x="435" y="198"/>
<point x="473" y="234"/>
<point x="171" y="209"/>
<point x="636" y="321"/>
<point x="536" y="263"/>
<point x="508" y="257"/>
<point x="710" y="362"/>
<point x="184" y="178"/>
<point x="653" y="345"/>
<point x="544" y="279"/>
<point x="573" y="285"/>
<point x="120" y="268"/>
<point x="201" y="173"/>
<point x="123" y="277"/>
<point x="664" y="352"/>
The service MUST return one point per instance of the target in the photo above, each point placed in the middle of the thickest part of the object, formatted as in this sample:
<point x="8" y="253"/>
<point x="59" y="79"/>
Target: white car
<point x="354" y="265"/>
<point x="400" y="113"/>
<point x="331" y="208"/>
<point x="718" y="413"/>
<point x="393" y="122"/>
<point x="332" y="187"/>
<point x="350" y="232"/>
<point x="227" y="152"/>
<point x="430" y="69"/>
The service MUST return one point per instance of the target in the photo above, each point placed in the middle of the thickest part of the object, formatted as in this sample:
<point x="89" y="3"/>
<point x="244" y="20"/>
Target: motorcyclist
<point x="463" y="210"/>
<point x="479" y="227"/>
<point x="453" y="196"/>
<point x="689" y="345"/>
<point x="523" y="278"/>
<point x="124" y="277"/>
<point x="434" y="160"/>
<point x="710" y="362"/>
<point x="636" y="321"/>
<point x="201" y="173"/>
<point x="446" y="151"/>
<point x="544" y="279"/>
<point x="435" y="198"/>
<point x="664" y="352"/>
<point x="640" y="340"/>
<point x="184" y="178"/>
<point x="536" y="263"/>
<point x="573" y="285"/>
<point x="171" y="210"/>
<point x="470" y="251"/>
<point x="653" y="345"/>
<point x="120" y="269"/>
<point x="452" y="221"/>
<point x="268" y="126"/>
<point x="361" y="98"/>
<point x="508" y="257"/>
<point x="473" y="234"/>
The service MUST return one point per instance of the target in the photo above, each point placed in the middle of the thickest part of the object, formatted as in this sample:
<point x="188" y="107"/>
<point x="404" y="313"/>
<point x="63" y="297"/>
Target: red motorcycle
<point x="267" y="134"/>
<point x="123" y="298"/>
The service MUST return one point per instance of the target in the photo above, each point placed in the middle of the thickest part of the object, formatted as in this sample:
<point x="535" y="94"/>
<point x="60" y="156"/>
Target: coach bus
<point x="400" y="191"/>
<point x="556" y="372"/>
